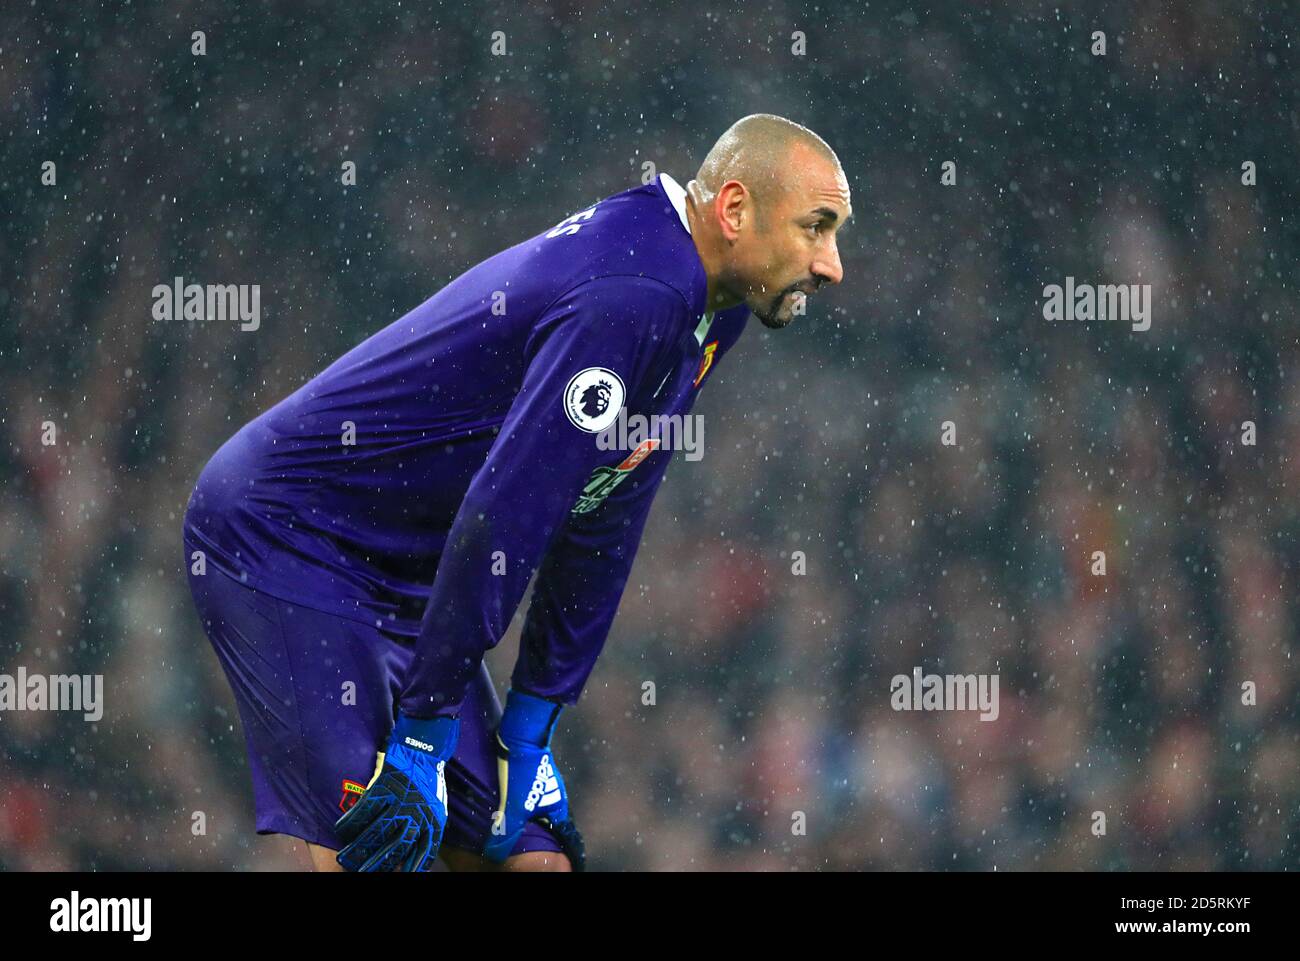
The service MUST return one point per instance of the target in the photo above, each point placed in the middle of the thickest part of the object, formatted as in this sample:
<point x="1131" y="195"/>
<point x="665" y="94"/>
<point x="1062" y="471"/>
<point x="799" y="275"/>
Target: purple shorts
<point x="316" y="694"/>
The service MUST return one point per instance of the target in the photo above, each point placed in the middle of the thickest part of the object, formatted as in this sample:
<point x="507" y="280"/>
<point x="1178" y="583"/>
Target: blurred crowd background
<point x="1120" y="694"/>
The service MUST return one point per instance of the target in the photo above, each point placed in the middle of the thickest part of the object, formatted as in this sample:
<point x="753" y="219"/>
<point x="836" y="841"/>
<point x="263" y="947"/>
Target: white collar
<point x="676" y="196"/>
<point x="702" y="330"/>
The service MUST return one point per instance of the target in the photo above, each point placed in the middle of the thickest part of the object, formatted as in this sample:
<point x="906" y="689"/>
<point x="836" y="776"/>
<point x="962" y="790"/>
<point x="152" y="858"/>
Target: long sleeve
<point x="592" y="350"/>
<point x="581" y="583"/>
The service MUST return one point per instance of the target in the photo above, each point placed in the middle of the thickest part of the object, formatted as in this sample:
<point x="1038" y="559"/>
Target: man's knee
<point x="538" y="861"/>
<point x="322" y="859"/>
<point x="458" y="859"/>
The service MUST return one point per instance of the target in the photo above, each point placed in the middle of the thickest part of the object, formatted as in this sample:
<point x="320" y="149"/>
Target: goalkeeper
<point x="356" y="549"/>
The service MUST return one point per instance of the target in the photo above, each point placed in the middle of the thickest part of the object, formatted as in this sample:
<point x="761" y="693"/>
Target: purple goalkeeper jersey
<point x="419" y="481"/>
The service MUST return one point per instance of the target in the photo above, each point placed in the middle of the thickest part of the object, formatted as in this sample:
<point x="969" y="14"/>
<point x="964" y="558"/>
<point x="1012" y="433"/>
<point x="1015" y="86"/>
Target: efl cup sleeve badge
<point x="605" y="479"/>
<point x="593" y="398"/>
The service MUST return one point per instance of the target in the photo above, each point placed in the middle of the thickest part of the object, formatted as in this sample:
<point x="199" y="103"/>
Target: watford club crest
<point x="352" y="792"/>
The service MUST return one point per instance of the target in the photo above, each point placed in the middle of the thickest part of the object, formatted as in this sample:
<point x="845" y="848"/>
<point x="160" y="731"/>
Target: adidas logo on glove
<point x="546" y="789"/>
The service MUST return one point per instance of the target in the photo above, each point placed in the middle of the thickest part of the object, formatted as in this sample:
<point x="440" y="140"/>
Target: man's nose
<point x="827" y="268"/>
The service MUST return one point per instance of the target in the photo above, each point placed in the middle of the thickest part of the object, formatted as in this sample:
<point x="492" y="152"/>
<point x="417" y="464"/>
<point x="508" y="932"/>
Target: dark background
<point x="1119" y="694"/>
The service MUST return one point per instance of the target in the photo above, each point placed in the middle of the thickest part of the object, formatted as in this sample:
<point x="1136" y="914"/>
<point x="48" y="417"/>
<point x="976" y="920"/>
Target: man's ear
<point x="736" y="208"/>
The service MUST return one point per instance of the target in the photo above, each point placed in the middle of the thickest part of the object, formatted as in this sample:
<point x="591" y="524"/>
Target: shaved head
<point x="764" y="209"/>
<point x="756" y="151"/>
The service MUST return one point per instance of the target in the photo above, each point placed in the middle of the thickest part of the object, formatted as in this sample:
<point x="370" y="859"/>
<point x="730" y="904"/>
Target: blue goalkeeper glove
<point x="531" y="786"/>
<point x="397" y="824"/>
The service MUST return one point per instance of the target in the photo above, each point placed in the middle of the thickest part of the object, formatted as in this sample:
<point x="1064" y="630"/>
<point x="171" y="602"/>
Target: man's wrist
<point x="529" y="718"/>
<point x="433" y="735"/>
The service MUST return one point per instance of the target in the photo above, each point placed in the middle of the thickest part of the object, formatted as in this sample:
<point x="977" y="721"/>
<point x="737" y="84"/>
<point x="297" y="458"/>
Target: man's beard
<point x="771" y="317"/>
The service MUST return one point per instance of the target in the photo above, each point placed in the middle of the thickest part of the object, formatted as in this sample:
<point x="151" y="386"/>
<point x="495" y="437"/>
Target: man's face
<point x="792" y="250"/>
